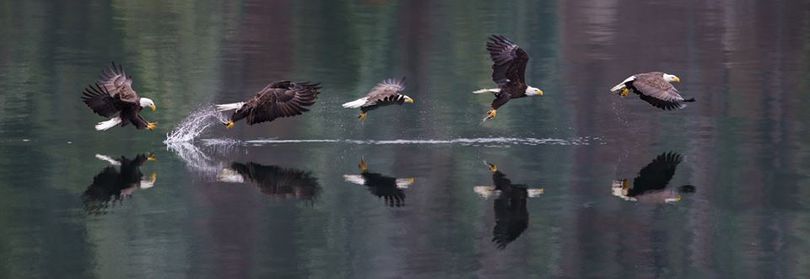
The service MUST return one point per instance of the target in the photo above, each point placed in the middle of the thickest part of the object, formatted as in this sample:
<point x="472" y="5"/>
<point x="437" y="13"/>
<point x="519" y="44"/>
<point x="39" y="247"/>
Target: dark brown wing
<point x="509" y="62"/>
<point x="385" y="89"/>
<point x="656" y="175"/>
<point x="116" y="81"/>
<point x="272" y="103"/>
<point x="655" y="90"/>
<point x="98" y="99"/>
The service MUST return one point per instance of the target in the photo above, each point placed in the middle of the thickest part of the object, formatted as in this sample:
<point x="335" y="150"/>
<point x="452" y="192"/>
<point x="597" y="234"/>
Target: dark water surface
<point x="743" y="145"/>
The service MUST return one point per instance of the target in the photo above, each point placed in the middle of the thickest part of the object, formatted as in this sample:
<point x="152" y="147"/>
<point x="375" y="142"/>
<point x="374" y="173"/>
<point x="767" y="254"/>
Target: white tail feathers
<point x="487" y="90"/>
<point x="230" y="176"/>
<point x="621" y="86"/>
<point x="231" y="106"/>
<point x="104" y="125"/>
<point x="354" y="178"/>
<point x="356" y="103"/>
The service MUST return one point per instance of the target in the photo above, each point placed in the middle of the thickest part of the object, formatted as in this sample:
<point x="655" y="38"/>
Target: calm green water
<point x="744" y="144"/>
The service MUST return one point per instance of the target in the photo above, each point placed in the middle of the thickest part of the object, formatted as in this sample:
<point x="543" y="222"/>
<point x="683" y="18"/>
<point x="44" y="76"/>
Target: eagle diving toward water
<point x="509" y="72"/>
<point x="113" y="97"/>
<point x="385" y="187"/>
<point x="651" y="183"/>
<point x="278" y="99"/>
<point x="386" y="93"/>
<point x="273" y="181"/>
<point x="654" y="88"/>
<point x="511" y="215"/>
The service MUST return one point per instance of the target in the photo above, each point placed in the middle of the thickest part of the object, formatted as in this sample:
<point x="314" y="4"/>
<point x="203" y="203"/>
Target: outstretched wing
<point x="509" y="61"/>
<point x="653" y="89"/>
<point x="98" y="99"/>
<point x="118" y="84"/>
<point x="386" y="89"/>
<point x="656" y="175"/>
<point x="272" y="103"/>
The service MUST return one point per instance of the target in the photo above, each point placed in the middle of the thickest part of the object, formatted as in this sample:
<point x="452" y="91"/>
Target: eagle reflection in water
<point x="276" y="182"/>
<point x="511" y="215"/>
<point x="116" y="182"/>
<point x="385" y="187"/>
<point x="650" y="186"/>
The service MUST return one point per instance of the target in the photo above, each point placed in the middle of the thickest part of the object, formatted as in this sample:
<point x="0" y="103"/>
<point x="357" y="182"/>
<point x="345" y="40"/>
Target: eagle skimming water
<point x="655" y="88"/>
<point x="278" y="99"/>
<point x="386" y="93"/>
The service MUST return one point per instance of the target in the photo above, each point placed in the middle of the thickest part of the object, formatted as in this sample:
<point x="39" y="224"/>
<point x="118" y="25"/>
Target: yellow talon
<point x="151" y="125"/>
<point x="229" y="124"/>
<point x="492" y="167"/>
<point x="625" y="92"/>
<point x="153" y="177"/>
<point x="362" y="166"/>
<point x="491" y="114"/>
<point x="151" y="157"/>
<point x="363" y="116"/>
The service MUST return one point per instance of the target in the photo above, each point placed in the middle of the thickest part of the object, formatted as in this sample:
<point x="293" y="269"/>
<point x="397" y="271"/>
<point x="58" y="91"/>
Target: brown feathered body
<point x="278" y="99"/>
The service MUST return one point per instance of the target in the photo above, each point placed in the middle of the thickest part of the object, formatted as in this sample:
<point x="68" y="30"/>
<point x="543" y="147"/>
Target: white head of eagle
<point x="671" y="78"/>
<point x="146" y="102"/>
<point x="533" y="91"/>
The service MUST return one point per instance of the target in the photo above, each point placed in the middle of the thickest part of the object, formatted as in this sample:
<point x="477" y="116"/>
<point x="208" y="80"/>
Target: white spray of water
<point x="201" y="159"/>
<point x="194" y="124"/>
<point x="460" y="141"/>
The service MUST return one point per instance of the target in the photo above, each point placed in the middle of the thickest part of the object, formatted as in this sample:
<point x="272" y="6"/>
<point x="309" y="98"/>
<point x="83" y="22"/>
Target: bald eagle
<point x="388" y="92"/>
<point x="509" y="72"/>
<point x="278" y="99"/>
<point x="382" y="186"/>
<point x="112" y="96"/>
<point x="654" y="88"/>
<point x="511" y="216"/>
<point x="272" y="180"/>
<point x="114" y="184"/>
<point x="651" y="183"/>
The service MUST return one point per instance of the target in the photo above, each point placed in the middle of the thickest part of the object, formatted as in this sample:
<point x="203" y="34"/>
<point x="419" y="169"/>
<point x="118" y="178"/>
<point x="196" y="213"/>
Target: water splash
<point x="194" y="124"/>
<point x="201" y="159"/>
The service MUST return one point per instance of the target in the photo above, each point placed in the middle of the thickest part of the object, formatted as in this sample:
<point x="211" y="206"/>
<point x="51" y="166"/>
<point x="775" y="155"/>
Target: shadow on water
<point x="274" y="181"/>
<point x="650" y="186"/>
<point x="117" y="182"/>
<point x="511" y="215"/>
<point x="388" y="188"/>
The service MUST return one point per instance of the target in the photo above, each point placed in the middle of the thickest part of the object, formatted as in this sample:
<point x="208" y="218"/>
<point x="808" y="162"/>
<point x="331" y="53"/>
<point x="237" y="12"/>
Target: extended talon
<point x="151" y="125"/>
<point x="491" y="114"/>
<point x="625" y="92"/>
<point x="151" y="157"/>
<point x="362" y="166"/>
<point x="153" y="177"/>
<point x="229" y="124"/>
<point x="363" y="116"/>
<point x="492" y="167"/>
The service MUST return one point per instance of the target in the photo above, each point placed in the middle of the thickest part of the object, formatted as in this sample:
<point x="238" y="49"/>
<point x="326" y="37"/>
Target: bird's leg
<point x="151" y="157"/>
<point x="492" y="167"/>
<point x="151" y="125"/>
<point x="491" y="114"/>
<point x="363" y="115"/>
<point x="362" y="166"/>
<point x="625" y="92"/>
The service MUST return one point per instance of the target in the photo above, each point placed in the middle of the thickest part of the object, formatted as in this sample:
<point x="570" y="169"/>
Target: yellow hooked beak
<point x="677" y="79"/>
<point x="229" y="124"/>
<point x="408" y="100"/>
<point x="539" y="92"/>
<point x="153" y="107"/>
